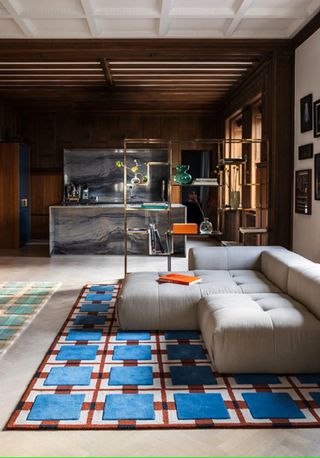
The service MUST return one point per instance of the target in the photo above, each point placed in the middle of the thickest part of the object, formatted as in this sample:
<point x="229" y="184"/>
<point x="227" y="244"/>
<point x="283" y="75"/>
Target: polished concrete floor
<point x="19" y="363"/>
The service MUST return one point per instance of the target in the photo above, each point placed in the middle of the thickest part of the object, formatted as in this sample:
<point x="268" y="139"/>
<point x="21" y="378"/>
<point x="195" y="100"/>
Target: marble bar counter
<point x="99" y="229"/>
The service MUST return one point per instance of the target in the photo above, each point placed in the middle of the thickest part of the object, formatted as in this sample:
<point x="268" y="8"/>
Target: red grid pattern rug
<point x="95" y="376"/>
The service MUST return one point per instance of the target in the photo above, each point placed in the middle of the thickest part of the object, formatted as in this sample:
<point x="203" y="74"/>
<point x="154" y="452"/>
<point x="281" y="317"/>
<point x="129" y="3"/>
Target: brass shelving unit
<point x="136" y="143"/>
<point x="219" y="146"/>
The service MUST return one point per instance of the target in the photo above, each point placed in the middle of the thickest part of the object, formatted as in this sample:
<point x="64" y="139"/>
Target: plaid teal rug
<point x="19" y="303"/>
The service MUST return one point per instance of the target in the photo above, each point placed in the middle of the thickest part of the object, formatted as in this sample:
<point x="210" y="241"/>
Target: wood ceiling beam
<point x="130" y="50"/>
<point x="107" y="72"/>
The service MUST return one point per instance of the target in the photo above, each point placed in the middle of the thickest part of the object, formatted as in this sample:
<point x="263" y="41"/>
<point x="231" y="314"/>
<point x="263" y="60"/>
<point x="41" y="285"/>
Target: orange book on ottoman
<point x="180" y="279"/>
<point x="185" y="228"/>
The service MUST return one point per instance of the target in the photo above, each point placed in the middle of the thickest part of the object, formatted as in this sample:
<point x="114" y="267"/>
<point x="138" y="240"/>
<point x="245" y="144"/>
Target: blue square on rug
<point x="128" y="352"/>
<point x="308" y="378"/>
<point x="56" y="407"/>
<point x="98" y="297"/>
<point x="133" y="335"/>
<point x="257" y="379"/>
<point x="90" y="319"/>
<point x="128" y="407"/>
<point x="131" y="375"/>
<point x="316" y="397"/>
<point x="192" y="406"/>
<point x="186" y="352"/>
<point x="183" y="335"/>
<point x="101" y="288"/>
<point x="69" y="375"/>
<point x="272" y="405"/>
<point x="84" y="334"/>
<point x="192" y="375"/>
<point x="89" y="307"/>
<point x="77" y="352"/>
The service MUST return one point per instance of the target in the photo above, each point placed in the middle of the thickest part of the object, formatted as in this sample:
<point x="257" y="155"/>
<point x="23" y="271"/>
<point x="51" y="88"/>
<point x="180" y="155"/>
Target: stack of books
<point x="180" y="279"/>
<point x="155" y="243"/>
<point x="154" y="205"/>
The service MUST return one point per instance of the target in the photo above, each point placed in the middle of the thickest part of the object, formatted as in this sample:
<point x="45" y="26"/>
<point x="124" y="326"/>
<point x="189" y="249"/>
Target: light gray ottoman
<point x="145" y="304"/>
<point x="259" y="333"/>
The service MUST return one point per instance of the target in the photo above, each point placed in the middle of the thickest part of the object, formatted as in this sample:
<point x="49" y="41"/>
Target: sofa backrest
<point x="229" y="258"/>
<point x="304" y="286"/>
<point x="275" y="266"/>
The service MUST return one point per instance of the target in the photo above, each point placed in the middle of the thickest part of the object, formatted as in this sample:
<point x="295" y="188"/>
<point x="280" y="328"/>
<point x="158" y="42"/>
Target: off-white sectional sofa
<point x="258" y="308"/>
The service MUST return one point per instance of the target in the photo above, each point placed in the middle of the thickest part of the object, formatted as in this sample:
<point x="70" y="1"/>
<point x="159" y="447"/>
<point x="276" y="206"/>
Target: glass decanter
<point x="206" y="227"/>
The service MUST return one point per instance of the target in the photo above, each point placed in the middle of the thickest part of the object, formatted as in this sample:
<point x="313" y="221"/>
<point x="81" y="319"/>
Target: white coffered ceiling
<point x="154" y="18"/>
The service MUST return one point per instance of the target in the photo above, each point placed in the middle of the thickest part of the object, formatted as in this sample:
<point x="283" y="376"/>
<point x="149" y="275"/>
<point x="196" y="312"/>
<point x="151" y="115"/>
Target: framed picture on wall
<point x="306" y="113"/>
<point x="317" y="177"/>
<point x="316" y="112"/>
<point x="303" y="192"/>
<point x="306" y="151"/>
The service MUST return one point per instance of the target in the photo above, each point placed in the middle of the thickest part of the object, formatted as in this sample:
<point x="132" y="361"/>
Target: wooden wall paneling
<point x="246" y="152"/>
<point x="151" y="127"/>
<point x="280" y="190"/>
<point x="46" y="189"/>
<point x="274" y="80"/>
<point x="9" y="123"/>
<point x="9" y="195"/>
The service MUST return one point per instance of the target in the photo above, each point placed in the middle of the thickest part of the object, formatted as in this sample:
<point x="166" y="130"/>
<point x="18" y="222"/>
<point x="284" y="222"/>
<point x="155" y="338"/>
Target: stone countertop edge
<point x="105" y="206"/>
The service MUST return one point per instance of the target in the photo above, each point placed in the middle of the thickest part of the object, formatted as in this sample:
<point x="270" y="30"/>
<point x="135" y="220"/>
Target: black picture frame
<point x="316" y="118"/>
<point x="305" y="151"/>
<point x="317" y="176"/>
<point x="306" y="113"/>
<point x="303" y="192"/>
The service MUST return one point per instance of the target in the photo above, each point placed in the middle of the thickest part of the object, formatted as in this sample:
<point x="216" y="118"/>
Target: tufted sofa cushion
<point x="259" y="333"/>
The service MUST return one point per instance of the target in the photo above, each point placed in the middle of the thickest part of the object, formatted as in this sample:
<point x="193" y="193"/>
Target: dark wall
<point x="9" y="123"/>
<point x="49" y="133"/>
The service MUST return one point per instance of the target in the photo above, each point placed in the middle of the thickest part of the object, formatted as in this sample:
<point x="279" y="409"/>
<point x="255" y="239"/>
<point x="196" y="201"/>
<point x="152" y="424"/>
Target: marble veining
<point x="96" y="167"/>
<point x="99" y="229"/>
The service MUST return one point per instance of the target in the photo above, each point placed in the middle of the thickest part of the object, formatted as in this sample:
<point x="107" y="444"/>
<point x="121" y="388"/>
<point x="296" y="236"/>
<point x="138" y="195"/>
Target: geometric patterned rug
<point x="20" y="301"/>
<point x="95" y="376"/>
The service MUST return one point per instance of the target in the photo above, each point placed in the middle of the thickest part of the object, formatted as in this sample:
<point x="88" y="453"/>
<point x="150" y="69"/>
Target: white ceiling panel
<point x="9" y="29"/>
<point x="155" y="18"/>
<point x="126" y="8"/>
<point x="48" y="8"/>
<point x="127" y="27"/>
<point x="61" y="28"/>
<point x="3" y="11"/>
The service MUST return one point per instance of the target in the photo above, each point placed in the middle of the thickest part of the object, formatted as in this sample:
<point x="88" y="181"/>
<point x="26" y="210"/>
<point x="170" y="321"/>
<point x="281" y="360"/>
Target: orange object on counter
<point x="185" y="228"/>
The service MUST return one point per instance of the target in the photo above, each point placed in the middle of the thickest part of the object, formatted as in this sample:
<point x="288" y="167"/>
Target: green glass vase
<point x="182" y="177"/>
